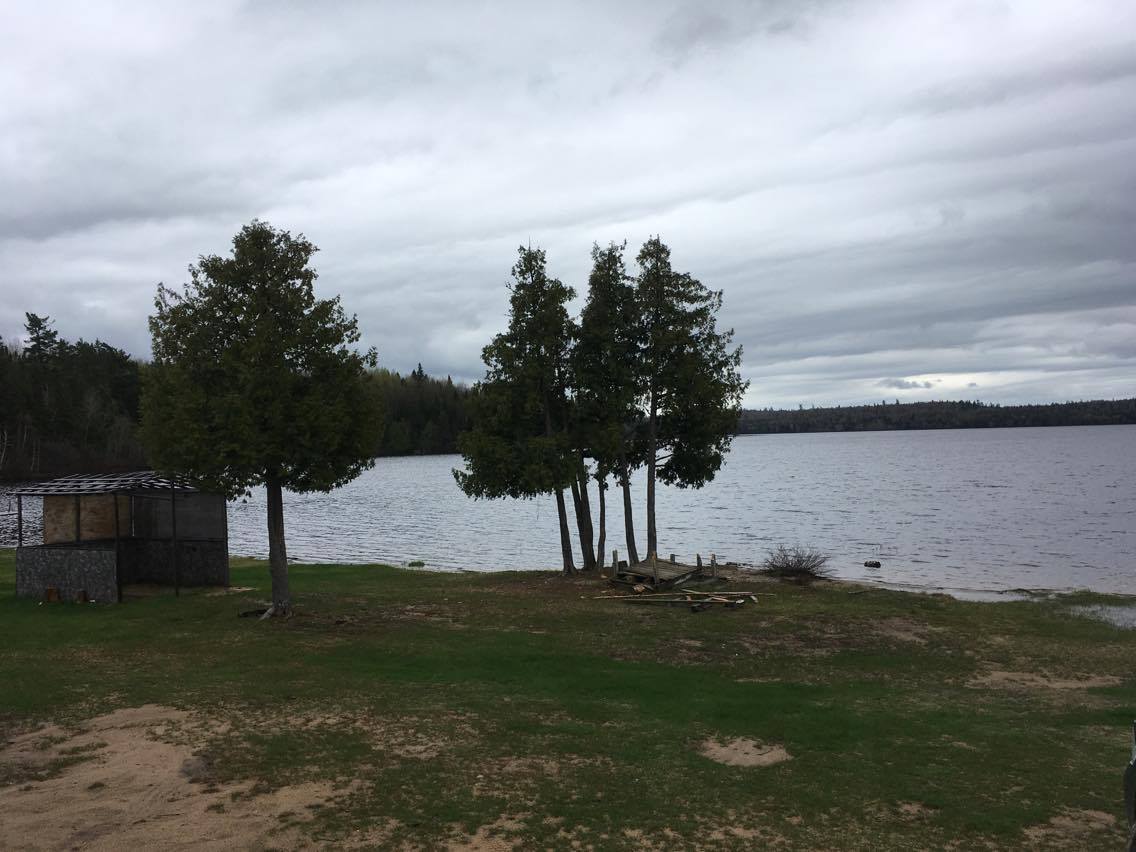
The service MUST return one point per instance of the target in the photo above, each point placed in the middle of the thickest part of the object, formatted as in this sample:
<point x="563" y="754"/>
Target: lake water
<point x="1045" y="508"/>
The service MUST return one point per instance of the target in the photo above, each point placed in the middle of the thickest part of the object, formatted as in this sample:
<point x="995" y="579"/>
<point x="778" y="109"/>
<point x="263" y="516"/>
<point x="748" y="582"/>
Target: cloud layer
<point x="929" y="200"/>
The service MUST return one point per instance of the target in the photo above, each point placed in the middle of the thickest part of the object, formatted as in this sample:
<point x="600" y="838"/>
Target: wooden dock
<point x="655" y="573"/>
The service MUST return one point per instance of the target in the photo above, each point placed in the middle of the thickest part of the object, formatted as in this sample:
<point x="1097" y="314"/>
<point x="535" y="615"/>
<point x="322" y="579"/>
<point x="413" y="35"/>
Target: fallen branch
<point x="747" y="594"/>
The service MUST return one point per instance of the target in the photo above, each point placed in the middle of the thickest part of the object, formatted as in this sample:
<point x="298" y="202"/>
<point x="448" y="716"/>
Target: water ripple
<point x="1004" y="508"/>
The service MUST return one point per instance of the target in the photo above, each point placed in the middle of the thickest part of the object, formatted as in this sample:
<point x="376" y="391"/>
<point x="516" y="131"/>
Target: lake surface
<point x="985" y="509"/>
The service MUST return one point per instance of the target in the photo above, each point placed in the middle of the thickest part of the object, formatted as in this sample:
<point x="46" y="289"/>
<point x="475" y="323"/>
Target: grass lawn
<point x="404" y="709"/>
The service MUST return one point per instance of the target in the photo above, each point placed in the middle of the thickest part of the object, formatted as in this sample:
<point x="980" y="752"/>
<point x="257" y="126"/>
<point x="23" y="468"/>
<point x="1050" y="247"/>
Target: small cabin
<point x="104" y="532"/>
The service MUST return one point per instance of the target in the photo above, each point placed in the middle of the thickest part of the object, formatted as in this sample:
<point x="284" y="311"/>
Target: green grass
<point x="455" y="699"/>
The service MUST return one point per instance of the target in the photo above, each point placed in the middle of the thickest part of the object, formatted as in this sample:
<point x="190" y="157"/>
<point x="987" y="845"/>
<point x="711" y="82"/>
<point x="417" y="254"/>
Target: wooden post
<point x="713" y="565"/>
<point x="174" y="542"/>
<point x="228" y="571"/>
<point x="655" y="566"/>
<point x="19" y="520"/>
<point x="698" y="559"/>
<point x="78" y="531"/>
<point x="673" y="560"/>
<point x="615" y="560"/>
<point x="117" y="559"/>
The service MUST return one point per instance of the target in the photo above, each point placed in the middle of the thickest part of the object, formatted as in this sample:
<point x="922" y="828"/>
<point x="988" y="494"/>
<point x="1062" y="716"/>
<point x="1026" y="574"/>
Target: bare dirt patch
<point x="498" y="836"/>
<point x="1071" y="829"/>
<point x="138" y="791"/>
<point x="913" y="810"/>
<point x="1029" y="680"/>
<point x="742" y="751"/>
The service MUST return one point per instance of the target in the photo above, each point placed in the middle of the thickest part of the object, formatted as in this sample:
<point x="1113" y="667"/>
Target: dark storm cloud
<point x="929" y="198"/>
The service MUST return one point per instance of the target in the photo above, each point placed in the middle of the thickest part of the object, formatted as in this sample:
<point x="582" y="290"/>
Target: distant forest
<point x="935" y="415"/>
<point x="73" y="408"/>
<point x="423" y="415"/>
<point x="66" y="407"/>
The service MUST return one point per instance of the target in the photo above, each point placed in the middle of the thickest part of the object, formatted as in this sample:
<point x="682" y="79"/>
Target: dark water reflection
<point x="979" y="509"/>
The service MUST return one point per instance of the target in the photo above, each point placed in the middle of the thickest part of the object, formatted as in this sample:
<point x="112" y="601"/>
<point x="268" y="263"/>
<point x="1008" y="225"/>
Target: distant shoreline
<point x="918" y="416"/>
<point x="7" y="479"/>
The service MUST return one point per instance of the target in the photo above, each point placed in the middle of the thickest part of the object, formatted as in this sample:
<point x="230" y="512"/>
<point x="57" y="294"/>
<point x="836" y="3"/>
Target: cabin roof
<point x="104" y="483"/>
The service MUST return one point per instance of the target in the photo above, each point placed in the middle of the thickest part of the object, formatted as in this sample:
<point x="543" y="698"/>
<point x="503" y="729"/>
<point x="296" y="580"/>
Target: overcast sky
<point x="905" y="200"/>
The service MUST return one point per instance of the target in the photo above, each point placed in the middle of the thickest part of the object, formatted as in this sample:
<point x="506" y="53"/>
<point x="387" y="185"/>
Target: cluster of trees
<point x="70" y="408"/>
<point x="66" y="406"/>
<point x="643" y="378"/>
<point x="936" y="415"/>
<point x="423" y="415"/>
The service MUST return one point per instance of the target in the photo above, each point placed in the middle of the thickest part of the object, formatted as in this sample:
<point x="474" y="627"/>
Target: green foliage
<point x="66" y="406"/>
<point x="646" y="378"/>
<point x="254" y="379"/>
<point x="690" y="372"/>
<point x="423" y="415"/>
<point x="518" y="445"/>
<point x="607" y="361"/>
<point x="43" y="340"/>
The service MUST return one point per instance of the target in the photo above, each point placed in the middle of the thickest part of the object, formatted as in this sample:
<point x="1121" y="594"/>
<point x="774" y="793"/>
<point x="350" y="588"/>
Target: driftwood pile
<point x="695" y="600"/>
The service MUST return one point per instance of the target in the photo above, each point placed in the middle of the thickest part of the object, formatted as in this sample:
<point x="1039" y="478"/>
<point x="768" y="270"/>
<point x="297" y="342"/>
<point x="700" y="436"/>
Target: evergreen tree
<point x="424" y="415"/>
<point x="42" y="340"/>
<point x="692" y="388"/>
<point x="257" y="382"/>
<point x="606" y="371"/>
<point x="519" y="445"/>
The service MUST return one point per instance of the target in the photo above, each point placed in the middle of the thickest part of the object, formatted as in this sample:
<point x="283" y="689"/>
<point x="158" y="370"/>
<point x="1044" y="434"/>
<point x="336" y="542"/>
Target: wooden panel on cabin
<point x="96" y="518"/>
<point x="58" y="519"/>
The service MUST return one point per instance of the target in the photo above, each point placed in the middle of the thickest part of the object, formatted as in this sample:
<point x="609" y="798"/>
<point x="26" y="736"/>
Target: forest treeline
<point x="423" y="415"/>
<point x="73" y="408"/>
<point x="66" y="407"/>
<point x="70" y="408"/>
<point x="935" y="415"/>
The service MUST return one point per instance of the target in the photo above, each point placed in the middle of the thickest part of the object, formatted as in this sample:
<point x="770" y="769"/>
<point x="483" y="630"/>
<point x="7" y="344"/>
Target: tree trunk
<point x="575" y="489"/>
<point x="628" y="520"/>
<point x="277" y="551"/>
<point x="652" y="451"/>
<point x="561" y="511"/>
<point x="565" y="536"/>
<point x="601" y="545"/>
<point x="584" y="518"/>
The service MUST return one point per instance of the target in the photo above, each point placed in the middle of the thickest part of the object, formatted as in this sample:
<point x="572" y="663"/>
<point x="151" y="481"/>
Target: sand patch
<point x="742" y="751"/>
<point x="742" y="837"/>
<point x="1029" y="680"/>
<point x="137" y="791"/>
<point x="497" y="836"/>
<point x="1071" y="829"/>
